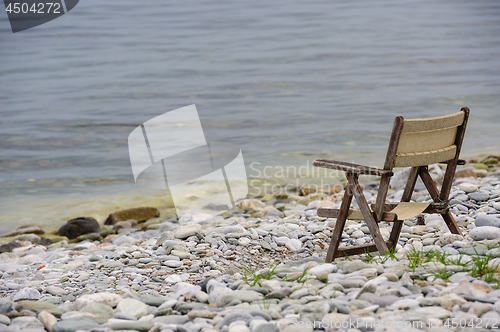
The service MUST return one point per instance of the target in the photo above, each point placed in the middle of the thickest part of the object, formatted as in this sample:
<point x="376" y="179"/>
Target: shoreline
<point x="52" y="211"/>
<point x="260" y="268"/>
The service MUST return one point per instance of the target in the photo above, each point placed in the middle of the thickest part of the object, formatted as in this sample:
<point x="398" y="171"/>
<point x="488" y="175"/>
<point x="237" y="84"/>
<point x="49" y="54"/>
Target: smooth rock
<point x="294" y="245"/>
<point x="137" y="325"/>
<point x="39" y="306"/>
<point x="27" y="293"/>
<point x="139" y="214"/>
<point x="25" y="322"/>
<point x="79" y="226"/>
<point x="100" y="311"/>
<point x="56" y="291"/>
<point x="467" y="187"/>
<point x="233" y="317"/>
<point x="485" y="233"/>
<point x="132" y="307"/>
<point x="243" y="296"/>
<point x="266" y="328"/>
<point x="187" y="231"/>
<point x="486" y="220"/>
<point x="404" y="304"/>
<point x="110" y="299"/>
<point x="5" y="305"/>
<point x="47" y="319"/>
<point x="322" y="269"/>
<point x="74" y="324"/>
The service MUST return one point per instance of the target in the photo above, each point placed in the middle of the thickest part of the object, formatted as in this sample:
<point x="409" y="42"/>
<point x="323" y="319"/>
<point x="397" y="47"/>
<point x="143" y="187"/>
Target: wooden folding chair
<point x="414" y="143"/>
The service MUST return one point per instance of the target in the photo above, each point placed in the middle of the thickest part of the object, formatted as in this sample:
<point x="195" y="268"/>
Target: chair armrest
<point x="351" y="168"/>
<point x="459" y="162"/>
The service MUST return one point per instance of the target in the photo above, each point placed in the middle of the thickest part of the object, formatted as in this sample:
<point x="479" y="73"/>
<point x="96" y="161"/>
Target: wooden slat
<point x="452" y="165"/>
<point x="434" y="192"/>
<point x="339" y="225"/>
<point x="369" y="220"/>
<point x="348" y="167"/>
<point x="361" y="249"/>
<point x="352" y="214"/>
<point x="437" y="123"/>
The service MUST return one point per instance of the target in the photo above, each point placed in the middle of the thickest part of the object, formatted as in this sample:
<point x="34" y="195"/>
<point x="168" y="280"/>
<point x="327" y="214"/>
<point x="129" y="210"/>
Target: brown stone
<point x="139" y="214"/>
<point x="26" y="230"/>
<point x="465" y="173"/>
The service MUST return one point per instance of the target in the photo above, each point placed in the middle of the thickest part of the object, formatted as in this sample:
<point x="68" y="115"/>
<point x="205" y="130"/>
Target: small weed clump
<point x="479" y="267"/>
<point x="252" y="278"/>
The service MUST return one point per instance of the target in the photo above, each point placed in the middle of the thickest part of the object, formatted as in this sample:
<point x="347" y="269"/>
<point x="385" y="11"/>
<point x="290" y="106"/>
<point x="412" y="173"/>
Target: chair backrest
<point x="420" y="142"/>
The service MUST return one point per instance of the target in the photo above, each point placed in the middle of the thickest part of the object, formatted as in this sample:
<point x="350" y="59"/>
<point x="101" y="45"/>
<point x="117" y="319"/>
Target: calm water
<point x="287" y="81"/>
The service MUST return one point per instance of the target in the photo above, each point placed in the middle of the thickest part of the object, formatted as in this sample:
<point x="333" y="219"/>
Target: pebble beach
<point x="261" y="267"/>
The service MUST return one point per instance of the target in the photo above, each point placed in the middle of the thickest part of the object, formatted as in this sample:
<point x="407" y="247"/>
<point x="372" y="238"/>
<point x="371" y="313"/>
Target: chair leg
<point x="370" y="221"/>
<point x="396" y="230"/>
<point x="434" y="192"/>
<point x="339" y="225"/>
<point x="398" y="224"/>
<point x="452" y="224"/>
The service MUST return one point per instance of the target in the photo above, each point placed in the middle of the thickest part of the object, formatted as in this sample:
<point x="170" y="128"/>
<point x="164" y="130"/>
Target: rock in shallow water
<point x="79" y="226"/>
<point x="139" y="214"/>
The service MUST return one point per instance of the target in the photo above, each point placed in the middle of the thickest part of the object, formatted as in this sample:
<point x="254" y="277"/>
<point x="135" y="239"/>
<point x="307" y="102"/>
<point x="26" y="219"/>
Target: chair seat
<point x="352" y="214"/>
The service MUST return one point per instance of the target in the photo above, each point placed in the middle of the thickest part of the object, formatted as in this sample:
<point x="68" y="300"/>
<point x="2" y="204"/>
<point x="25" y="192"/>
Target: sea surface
<point x="287" y="81"/>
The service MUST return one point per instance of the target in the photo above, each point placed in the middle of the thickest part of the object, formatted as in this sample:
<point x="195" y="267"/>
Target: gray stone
<point x="479" y="196"/>
<point x="25" y="322"/>
<point x="101" y="312"/>
<point x="171" y="319"/>
<point x="56" y="291"/>
<point x="187" y="231"/>
<point x="467" y="187"/>
<point x="352" y="266"/>
<point x="173" y="264"/>
<point x="266" y="328"/>
<point x="4" y="320"/>
<point x="243" y="296"/>
<point x="201" y="296"/>
<point x="27" y="293"/>
<point x="352" y="283"/>
<point x="132" y="307"/>
<point x="490" y="319"/>
<point x="474" y="250"/>
<point x="487" y="220"/>
<point x="485" y="232"/>
<point x="74" y="324"/>
<point x="404" y="304"/>
<point x="234" y="317"/>
<point x="294" y="245"/>
<point x="152" y="300"/>
<point x="5" y="306"/>
<point x="39" y="306"/>
<point x="137" y="326"/>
